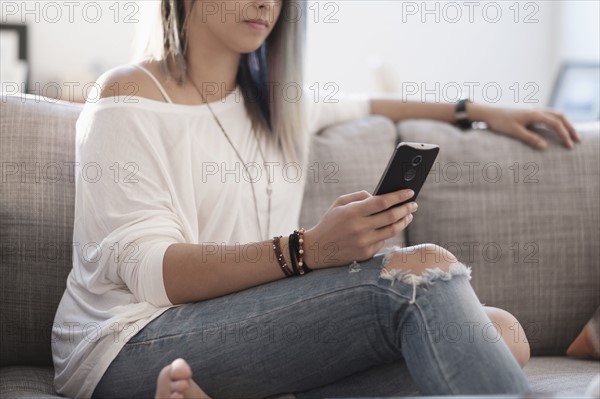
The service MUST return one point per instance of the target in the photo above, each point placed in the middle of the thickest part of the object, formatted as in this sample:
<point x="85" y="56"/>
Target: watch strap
<point x="460" y="115"/>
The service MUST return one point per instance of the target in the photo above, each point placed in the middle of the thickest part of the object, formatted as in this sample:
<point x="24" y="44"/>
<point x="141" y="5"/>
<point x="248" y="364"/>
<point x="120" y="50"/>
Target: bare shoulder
<point x="127" y="80"/>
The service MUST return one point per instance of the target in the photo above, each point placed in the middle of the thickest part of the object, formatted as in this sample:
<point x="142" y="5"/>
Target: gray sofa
<point x="526" y="221"/>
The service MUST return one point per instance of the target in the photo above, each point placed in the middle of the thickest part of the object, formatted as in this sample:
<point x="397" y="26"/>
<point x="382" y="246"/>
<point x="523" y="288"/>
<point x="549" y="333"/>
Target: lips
<point x="258" y="22"/>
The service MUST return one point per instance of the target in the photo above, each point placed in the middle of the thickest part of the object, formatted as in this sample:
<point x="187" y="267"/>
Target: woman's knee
<point x="418" y="258"/>
<point x="512" y="332"/>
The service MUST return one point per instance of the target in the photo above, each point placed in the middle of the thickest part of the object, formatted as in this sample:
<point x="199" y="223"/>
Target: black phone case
<point x="405" y="172"/>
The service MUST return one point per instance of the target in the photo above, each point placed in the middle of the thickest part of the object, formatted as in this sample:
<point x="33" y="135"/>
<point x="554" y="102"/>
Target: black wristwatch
<point x="460" y="115"/>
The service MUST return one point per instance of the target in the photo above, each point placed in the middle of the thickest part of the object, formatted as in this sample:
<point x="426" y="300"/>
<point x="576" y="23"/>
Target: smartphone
<point x="407" y="169"/>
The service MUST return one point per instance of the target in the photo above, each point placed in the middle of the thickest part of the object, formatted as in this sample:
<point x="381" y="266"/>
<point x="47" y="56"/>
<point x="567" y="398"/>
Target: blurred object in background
<point x="577" y="91"/>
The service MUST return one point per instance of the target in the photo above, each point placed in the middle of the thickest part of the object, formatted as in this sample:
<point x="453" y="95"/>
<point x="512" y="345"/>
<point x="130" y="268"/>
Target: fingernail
<point x="414" y="206"/>
<point x="410" y="193"/>
<point x="542" y="144"/>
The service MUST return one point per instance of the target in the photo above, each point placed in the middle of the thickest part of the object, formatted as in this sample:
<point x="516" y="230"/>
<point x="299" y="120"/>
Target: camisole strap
<point x="160" y="87"/>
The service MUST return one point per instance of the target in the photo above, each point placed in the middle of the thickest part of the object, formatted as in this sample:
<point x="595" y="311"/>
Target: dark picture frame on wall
<point x="15" y="56"/>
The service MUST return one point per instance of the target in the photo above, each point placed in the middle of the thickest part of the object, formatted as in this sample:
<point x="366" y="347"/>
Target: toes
<point x="163" y="384"/>
<point x="180" y="370"/>
<point x="179" y="385"/>
<point x="173" y="380"/>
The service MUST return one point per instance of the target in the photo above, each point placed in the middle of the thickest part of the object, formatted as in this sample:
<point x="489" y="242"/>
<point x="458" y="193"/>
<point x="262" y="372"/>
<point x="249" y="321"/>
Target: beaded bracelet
<point x="302" y="262"/>
<point x="296" y="241"/>
<point x="280" y="258"/>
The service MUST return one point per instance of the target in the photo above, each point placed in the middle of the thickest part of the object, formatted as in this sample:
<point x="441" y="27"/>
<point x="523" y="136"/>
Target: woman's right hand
<point x="355" y="227"/>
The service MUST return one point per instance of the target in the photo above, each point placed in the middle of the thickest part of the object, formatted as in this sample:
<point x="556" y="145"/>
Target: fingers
<point x="390" y="223"/>
<point x="557" y="125"/>
<point x="352" y="197"/>
<point x="391" y="230"/>
<point x="531" y="138"/>
<point x="378" y="203"/>
<point x="573" y="133"/>
<point x="390" y="216"/>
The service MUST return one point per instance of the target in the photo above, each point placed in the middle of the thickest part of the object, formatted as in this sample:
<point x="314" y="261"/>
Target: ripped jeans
<point x="355" y="330"/>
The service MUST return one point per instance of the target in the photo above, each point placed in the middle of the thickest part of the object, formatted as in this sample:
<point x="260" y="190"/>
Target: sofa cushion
<point x="546" y="375"/>
<point x="527" y="221"/>
<point x="36" y="223"/>
<point x="345" y="158"/>
<point x="558" y="374"/>
<point x="37" y="383"/>
<point x="27" y="382"/>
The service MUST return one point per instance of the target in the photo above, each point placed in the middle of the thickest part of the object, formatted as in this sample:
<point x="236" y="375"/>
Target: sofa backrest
<point x="37" y="151"/>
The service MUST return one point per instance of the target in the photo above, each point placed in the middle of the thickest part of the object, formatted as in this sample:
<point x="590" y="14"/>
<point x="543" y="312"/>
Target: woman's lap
<point x="328" y="333"/>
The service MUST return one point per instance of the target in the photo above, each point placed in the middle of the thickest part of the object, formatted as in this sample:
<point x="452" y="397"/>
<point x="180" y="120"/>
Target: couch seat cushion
<point x="558" y="374"/>
<point x="27" y="382"/>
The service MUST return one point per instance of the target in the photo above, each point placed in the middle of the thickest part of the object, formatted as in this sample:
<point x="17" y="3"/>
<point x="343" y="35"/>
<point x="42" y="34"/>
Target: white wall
<point x="580" y="28"/>
<point x="385" y="46"/>
<point x="73" y="43"/>
<point x="375" y="46"/>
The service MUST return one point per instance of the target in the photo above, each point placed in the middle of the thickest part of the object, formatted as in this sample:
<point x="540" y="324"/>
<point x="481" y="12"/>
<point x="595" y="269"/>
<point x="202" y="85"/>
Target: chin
<point x="245" y="41"/>
<point x="248" y="46"/>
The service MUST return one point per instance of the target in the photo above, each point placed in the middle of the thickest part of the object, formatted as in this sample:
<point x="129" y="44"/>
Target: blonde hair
<point x="278" y="63"/>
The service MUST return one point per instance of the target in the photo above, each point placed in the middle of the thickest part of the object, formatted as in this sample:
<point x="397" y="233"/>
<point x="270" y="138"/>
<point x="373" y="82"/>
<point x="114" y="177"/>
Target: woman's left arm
<point x="510" y="122"/>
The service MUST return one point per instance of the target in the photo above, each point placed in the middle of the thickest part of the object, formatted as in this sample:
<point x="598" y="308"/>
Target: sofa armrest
<point x="346" y="158"/>
<point x="526" y="220"/>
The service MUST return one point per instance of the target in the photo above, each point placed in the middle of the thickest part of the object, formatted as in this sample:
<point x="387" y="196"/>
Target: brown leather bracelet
<point x="280" y="258"/>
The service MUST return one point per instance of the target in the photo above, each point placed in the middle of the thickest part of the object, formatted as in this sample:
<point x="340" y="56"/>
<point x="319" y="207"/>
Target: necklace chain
<point x="269" y="188"/>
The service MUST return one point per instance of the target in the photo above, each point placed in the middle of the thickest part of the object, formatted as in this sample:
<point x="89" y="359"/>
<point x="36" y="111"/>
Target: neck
<point x="213" y="69"/>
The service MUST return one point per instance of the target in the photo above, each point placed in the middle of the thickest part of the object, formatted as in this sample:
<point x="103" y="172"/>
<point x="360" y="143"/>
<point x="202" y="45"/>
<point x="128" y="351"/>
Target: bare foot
<point x="175" y="382"/>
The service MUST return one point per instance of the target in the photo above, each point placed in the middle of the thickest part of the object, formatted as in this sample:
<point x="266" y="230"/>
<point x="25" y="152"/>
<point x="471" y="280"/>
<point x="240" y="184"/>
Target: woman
<point x="182" y="255"/>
